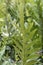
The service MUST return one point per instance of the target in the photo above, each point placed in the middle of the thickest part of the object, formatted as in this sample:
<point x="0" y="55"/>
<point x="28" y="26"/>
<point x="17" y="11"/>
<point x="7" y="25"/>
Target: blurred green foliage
<point x="21" y="32"/>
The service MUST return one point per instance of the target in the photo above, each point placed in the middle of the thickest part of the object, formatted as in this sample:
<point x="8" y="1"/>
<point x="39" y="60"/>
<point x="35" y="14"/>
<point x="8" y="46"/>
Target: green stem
<point x="41" y="20"/>
<point x="21" y="17"/>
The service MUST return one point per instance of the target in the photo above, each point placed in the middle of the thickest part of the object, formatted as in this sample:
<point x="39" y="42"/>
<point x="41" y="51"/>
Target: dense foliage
<point x="21" y="32"/>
